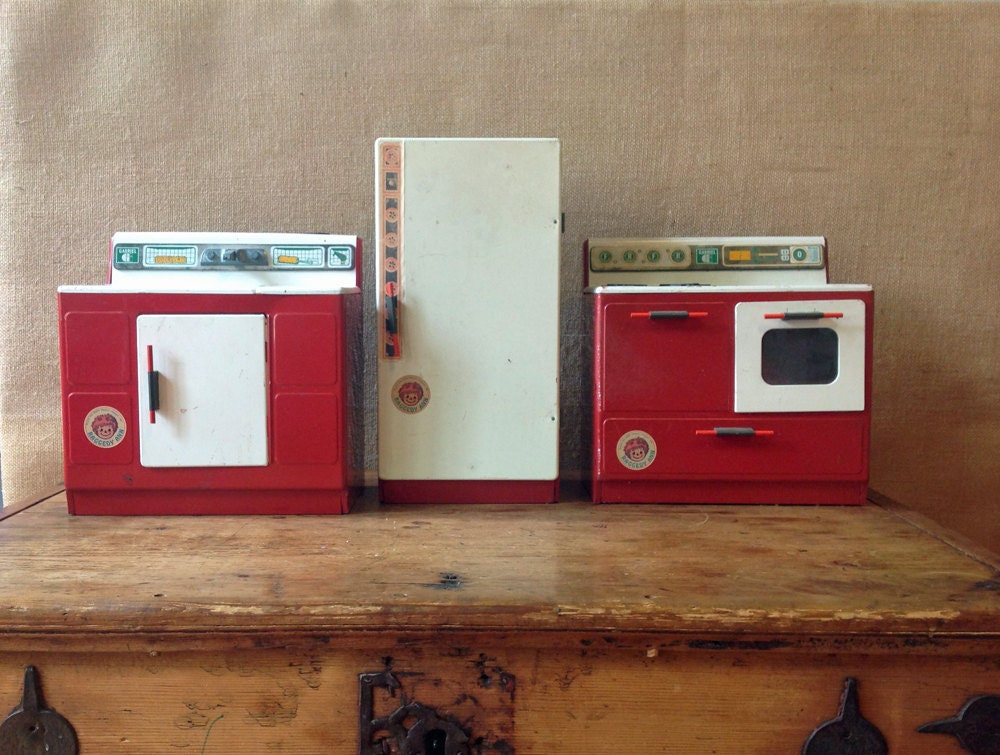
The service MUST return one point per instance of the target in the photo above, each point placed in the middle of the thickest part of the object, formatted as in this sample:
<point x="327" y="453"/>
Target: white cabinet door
<point x="212" y="390"/>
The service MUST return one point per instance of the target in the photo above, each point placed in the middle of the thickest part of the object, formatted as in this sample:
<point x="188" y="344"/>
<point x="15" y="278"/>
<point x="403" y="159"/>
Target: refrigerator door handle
<point x="392" y="345"/>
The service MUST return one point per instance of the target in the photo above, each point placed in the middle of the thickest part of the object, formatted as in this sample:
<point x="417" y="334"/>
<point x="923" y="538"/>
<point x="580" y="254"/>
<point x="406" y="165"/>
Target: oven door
<point x="800" y="356"/>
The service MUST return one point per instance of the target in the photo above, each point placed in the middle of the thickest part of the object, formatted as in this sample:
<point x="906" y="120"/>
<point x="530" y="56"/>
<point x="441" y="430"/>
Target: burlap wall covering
<point x="874" y="123"/>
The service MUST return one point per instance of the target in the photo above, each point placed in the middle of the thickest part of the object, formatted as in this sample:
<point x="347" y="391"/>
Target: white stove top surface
<point x="707" y="289"/>
<point x="179" y="287"/>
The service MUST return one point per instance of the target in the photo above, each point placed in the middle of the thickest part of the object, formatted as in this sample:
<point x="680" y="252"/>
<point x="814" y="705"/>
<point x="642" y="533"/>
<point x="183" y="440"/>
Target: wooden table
<point x="526" y="629"/>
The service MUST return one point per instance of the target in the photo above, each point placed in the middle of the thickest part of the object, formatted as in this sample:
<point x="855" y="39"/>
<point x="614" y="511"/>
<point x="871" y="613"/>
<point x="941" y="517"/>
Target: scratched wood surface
<point x="539" y="629"/>
<point x="571" y="567"/>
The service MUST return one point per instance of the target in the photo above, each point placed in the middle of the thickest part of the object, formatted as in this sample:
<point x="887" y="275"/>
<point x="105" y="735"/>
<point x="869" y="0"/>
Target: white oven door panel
<point x="824" y="358"/>
<point x="212" y="390"/>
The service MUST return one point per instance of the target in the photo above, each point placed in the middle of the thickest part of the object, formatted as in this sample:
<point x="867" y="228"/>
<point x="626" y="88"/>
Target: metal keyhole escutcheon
<point x="32" y="729"/>
<point x="411" y="729"/>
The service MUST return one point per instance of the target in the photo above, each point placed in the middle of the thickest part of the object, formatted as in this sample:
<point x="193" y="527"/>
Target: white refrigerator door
<point x="212" y="389"/>
<point x="478" y="267"/>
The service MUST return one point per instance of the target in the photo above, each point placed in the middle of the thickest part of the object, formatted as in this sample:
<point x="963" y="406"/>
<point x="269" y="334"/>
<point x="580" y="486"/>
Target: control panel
<point x="221" y="261"/>
<point x="232" y="256"/>
<point x="706" y="254"/>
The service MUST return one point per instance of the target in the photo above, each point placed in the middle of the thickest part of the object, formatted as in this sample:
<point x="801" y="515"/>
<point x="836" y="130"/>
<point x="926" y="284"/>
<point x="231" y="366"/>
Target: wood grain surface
<point x="568" y="567"/>
<point x="533" y="629"/>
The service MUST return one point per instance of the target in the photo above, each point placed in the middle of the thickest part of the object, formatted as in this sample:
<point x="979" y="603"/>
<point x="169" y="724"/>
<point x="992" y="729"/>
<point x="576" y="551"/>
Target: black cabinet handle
<point x="392" y="350"/>
<point x="153" y="384"/>
<point x="734" y="432"/>
<point x="803" y="315"/>
<point x="668" y="314"/>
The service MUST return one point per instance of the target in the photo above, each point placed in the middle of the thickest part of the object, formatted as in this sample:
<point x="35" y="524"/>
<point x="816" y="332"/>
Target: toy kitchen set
<point x="727" y="370"/>
<point x="212" y="375"/>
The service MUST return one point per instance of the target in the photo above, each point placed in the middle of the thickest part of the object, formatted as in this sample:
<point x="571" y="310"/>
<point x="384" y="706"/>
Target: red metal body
<point x="469" y="491"/>
<point x="313" y="460"/>
<point x="668" y="386"/>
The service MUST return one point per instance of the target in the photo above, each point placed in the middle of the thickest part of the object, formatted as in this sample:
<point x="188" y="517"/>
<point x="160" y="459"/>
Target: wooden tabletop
<point x="571" y="567"/>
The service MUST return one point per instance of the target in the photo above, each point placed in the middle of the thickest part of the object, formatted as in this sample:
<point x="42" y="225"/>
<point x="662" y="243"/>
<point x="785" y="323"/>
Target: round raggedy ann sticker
<point x="411" y="394"/>
<point x="105" y="426"/>
<point x="636" y="449"/>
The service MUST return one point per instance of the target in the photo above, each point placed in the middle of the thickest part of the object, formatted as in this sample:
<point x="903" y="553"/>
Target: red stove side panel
<point x="97" y="428"/>
<point x="97" y="405"/>
<point x="665" y="355"/>
<point x="307" y="352"/>
<point x="302" y="426"/>
<point x="102" y="347"/>
<point x="306" y="347"/>
<point x="649" y="358"/>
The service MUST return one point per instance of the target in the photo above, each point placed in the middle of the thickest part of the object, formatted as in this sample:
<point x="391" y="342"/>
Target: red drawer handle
<point x="732" y="432"/>
<point x="803" y="315"/>
<point x="680" y="314"/>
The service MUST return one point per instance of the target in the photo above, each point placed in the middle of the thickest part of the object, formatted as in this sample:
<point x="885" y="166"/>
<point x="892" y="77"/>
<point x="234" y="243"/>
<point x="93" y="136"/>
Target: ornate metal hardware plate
<point x="463" y="704"/>
<point x="411" y="729"/>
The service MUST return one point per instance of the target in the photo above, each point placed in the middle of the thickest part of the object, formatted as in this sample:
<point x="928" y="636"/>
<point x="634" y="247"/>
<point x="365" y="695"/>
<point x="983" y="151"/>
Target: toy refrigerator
<point x="468" y="233"/>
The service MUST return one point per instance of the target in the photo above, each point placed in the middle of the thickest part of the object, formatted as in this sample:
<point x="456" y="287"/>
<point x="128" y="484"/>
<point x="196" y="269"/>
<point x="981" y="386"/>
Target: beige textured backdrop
<point x="874" y="123"/>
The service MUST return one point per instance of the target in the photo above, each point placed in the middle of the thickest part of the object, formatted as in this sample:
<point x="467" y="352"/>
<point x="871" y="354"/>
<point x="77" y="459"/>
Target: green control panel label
<point x="126" y="255"/>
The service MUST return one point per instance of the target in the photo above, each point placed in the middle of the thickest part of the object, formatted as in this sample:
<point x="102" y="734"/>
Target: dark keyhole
<point x="434" y="742"/>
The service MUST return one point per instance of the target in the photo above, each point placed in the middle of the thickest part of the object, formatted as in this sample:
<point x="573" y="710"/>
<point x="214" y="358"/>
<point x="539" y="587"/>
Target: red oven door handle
<point x="803" y="315"/>
<point x="153" y="383"/>
<point x="668" y="314"/>
<point x="733" y="432"/>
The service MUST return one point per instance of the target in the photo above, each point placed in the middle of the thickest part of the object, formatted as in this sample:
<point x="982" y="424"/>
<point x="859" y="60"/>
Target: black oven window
<point x="799" y="356"/>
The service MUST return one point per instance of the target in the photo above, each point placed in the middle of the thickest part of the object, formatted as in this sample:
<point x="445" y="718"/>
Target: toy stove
<point x="727" y="370"/>
<point x="213" y="374"/>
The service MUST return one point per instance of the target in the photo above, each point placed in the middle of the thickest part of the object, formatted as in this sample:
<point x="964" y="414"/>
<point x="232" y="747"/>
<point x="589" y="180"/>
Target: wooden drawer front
<point x="805" y="447"/>
<point x="259" y="702"/>
<point x="600" y="696"/>
<point x="755" y="702"/>
<point x="664" y="364"/>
